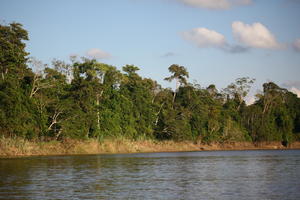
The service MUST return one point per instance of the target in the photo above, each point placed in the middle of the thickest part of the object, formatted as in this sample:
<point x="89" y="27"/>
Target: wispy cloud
<point x="290" y="84"/>
<point x="254" y="35"/>
<point x="215" y="4"/>
<point x="230" y="48"/>
<point x="168" y="54"/>
<point x="296" y="45"/>
<point x="97" y="54"/>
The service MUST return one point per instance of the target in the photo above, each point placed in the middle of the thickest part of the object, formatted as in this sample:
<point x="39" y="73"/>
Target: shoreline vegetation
<point x="87" y="107"/>
<point x="19" y="147"/>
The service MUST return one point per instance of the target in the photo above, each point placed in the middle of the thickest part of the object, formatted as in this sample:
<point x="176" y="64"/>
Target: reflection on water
<point x="186" y="175"/>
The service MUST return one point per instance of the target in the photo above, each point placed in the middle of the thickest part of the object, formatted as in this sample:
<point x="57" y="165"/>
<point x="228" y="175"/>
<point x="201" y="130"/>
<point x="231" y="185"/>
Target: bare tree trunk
<point x="34" y="88"/>
<point x="98" y="96"/>
<point x="54" y="119"/>
<point x="240" y="103"/>
<point x="156" y="121"/>
<point x="58" y="134"/>
<point x="174" y="96"/>
<point x="177" y="86"/>
<point x="152" y="101"/>
<point x="98" y="112"/>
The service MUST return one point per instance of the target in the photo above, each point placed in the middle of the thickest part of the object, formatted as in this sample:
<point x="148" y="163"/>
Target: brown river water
<point x="258" y="174"/>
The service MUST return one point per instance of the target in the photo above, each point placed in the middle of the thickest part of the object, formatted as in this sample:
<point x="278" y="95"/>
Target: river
<point x="268" y="174"/>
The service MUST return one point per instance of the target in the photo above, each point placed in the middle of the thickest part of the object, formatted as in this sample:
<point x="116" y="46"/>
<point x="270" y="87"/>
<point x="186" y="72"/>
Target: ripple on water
<point x="186" y="175"/>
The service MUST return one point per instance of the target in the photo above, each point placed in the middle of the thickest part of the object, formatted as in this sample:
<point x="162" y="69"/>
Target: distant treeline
<point x="87" y="99"/>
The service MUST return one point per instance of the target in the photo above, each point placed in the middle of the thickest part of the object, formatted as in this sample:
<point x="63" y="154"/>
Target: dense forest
<point x="87" y="99"/>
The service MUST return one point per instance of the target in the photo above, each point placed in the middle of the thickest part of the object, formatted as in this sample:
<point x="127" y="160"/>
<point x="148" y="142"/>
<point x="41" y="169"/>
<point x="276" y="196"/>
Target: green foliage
<point x="179" y="73"/>
<point x="12" y="50"/>
<point x="274" y="115"/>
<point x="88" y="99"/>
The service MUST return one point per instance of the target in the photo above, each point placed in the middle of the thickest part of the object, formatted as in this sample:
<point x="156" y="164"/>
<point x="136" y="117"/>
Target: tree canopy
<point x="88" y="99"/>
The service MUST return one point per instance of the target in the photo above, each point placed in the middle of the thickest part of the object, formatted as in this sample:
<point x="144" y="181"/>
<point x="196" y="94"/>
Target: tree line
<point x="88" y="99"/>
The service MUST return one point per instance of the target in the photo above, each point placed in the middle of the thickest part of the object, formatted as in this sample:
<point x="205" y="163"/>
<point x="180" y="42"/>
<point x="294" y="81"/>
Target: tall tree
<point x="12" y="50"/>
<point x="17" y="111"/>
<point x="180" y="74"/>
<point x="239" y="90"/>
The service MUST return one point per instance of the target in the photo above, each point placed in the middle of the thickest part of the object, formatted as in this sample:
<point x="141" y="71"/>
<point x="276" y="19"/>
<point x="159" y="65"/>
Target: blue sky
<point x="216" y="40"/>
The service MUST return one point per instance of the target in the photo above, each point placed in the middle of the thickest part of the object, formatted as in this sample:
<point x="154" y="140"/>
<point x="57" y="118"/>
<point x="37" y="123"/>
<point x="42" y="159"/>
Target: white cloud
<point x="249" y="35"/>
<point x="250" y="100"/>
<point x="296" y="44"/>
<point x="255" y="35"/>
<point x="97" y="54"/>
<point x="292" y="86"/>
<point x="295" y="91"/>
<point x="203" y="37"/>
<point x="210" y="4"/>
<point x="215" y="4"/>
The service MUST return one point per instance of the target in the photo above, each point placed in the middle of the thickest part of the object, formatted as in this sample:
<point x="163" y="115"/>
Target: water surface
<point x="264" y="174"/>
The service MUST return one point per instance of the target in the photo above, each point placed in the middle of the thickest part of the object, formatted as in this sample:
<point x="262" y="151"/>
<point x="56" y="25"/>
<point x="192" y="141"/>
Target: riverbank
<point x="20" y="147"/>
